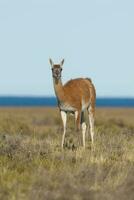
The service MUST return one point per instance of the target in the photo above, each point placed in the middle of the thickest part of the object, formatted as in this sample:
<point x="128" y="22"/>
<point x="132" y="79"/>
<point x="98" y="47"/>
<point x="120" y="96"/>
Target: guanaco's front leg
<point x="64" y="120"/>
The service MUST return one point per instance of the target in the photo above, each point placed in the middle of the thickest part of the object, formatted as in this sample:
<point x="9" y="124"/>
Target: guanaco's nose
<point x="57" y="72"/>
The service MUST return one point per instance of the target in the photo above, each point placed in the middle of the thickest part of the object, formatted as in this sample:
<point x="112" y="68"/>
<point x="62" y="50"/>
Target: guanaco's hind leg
<point x="77" y="120"/>
<point x="91" y="121"/>
<point x="80" y="122"/>
<point x="76" y="116"/>
<point x="64" y="120"/>
<point x="83" y="126"/>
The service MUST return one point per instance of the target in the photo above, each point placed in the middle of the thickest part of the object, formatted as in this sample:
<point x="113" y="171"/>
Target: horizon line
<point x="52" y="96"/>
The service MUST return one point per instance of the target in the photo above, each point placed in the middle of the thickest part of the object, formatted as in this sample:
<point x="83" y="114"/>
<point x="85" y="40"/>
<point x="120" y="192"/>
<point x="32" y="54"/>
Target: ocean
<point x="51" y="101"/>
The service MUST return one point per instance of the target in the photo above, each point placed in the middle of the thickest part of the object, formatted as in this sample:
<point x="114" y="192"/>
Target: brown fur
<point x="74" y="92"/>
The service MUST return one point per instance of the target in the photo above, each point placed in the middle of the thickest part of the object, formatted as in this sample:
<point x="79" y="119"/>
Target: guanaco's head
<point x="56" y="69"/>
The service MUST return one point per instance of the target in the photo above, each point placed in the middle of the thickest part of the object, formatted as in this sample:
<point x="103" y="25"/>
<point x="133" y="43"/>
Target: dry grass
<point x="32" y="165"/>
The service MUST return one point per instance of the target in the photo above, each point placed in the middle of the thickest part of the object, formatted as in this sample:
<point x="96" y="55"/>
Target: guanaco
<point x="76" y="96"/>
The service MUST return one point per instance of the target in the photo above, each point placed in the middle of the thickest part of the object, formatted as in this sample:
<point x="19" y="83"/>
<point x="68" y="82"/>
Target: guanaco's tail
<point x="89" y="79"/>
<point x="92" y="95"/>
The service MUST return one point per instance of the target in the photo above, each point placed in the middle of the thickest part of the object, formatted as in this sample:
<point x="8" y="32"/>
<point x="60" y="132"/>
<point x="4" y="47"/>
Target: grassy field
<point x="33" y="167"/>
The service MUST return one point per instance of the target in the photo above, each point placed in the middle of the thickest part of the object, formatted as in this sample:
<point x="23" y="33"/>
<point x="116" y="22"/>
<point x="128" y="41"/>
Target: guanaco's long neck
<point x="58" y="87"/>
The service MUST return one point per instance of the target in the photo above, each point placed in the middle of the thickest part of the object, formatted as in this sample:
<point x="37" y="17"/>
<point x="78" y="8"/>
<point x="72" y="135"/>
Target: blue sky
<point x="96" y="38"/>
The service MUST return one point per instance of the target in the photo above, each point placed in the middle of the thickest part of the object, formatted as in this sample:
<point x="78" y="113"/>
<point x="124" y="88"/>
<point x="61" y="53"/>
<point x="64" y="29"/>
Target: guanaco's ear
<point x="62" y="62"/>
<point x="51" y="62"/>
